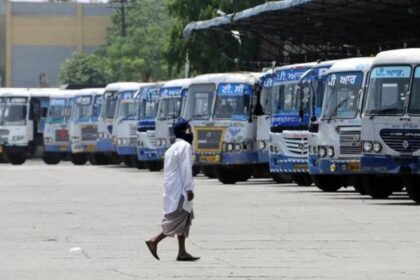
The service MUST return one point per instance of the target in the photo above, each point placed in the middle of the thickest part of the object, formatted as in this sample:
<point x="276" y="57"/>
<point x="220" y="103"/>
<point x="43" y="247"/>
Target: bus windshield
<point x="232" y="107"/>
<point x="57" y="110"/>
<point x="199" y="105"/>
<point x="285" y="99"/>
<point x="388" y="89"/>
<point x="414" y="107"/>
<point x="96" y="109"/>
<point x="169" y="108"/>
<point x="126" y="106"/>
<point x="82" y="109"/>
<point x="15" y="111"/>
<point x="109" y="103"/>
<point x="341" y="95"/>
<point x="147" y="108"/>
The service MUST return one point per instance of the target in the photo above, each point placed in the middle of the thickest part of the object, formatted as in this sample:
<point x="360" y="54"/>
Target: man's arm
<point x="185" y="160"/>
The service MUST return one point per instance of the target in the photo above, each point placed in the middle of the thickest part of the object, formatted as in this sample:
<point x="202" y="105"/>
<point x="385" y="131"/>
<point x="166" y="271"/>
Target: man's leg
<point x="182" y="252"/>
<point x="152" y="244"/>
<point x="181" y="246"/>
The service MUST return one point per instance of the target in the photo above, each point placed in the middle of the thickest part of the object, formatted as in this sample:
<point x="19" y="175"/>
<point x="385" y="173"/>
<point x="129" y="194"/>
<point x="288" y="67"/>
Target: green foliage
<point x="139" y="55"/>
<point x="85" y="69"/>
<point x="209" y="51"/>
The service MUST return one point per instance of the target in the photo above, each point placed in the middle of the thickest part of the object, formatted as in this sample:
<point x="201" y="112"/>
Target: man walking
<point x="179" y="192"/>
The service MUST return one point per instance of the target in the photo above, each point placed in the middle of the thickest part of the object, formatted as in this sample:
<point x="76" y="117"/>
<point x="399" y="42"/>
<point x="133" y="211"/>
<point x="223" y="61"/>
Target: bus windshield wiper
<point x="329" y="117"/>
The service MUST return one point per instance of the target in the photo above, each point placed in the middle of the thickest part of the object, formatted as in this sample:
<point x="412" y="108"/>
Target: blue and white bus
<point x="334" y="161"/>
<point x="289" y="124"/>
<point x="146" y="123"/>
<point x="391" y="125"/>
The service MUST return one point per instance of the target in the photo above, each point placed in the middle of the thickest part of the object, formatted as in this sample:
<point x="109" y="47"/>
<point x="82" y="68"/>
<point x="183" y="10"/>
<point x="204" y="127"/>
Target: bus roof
<point x="227" y="78"/>
<point x="401" y="56"/>
<point x="296" y="66"/>
<point x="183" y="83"/>
<point x="352" y="64"/>
<point x="122" y="85"/>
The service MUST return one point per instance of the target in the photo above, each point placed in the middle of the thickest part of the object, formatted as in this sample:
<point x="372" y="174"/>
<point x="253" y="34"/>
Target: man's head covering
<point x="180" y="126"/>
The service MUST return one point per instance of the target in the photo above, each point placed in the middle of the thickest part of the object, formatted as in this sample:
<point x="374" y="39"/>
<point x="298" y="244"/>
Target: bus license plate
<point x="90" y="148"/>
<point x="353" y="166"/>
<point x="301" y="166"/>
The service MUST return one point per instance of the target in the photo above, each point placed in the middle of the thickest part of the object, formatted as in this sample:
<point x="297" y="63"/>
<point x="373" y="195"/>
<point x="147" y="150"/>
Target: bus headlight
<point x="229" y="147"/>
<point x="330" y="151"/>
<point x="322" y="152"/>
<point x="262" y="145"/>
<point x="125" y="141"/>
<point x="377" y="147"/>
<point x="119" y="141"/>
<point x="100" y="135"/>
<point x="238" y="147"/>
<point x="164" y="142"/>
<point x="367" y="146"/>
<point x="158" y="142"/>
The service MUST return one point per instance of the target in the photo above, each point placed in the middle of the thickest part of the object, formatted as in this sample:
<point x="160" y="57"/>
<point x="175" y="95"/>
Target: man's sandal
<point x="152" y="249"/>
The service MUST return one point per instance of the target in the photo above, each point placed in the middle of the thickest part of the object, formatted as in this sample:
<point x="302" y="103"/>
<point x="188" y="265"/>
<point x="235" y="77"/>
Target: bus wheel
<point x="327" y="183"/>
<point x="244" y="174"/>
<point x="209" y="172"/>
<point x="127" y="161"/>
<point x="379" y="187"/>
<point x="78" y="159"/>
<point x="136" y="163"/>
<point x="413" y="188"/>
<point x="17" y="159"/>
<point x="302" y="180"/>
<point x="51" y="158"/>
<point x="227" y="176"/>
<point x="360" y="188"/>
<point x="281" y="178"/>
<point x="154" y="166"/>
<point x="195" y="170"/>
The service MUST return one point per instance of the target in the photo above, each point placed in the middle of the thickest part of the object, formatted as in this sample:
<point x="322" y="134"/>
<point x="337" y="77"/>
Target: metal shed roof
<point x="334" y="28"/>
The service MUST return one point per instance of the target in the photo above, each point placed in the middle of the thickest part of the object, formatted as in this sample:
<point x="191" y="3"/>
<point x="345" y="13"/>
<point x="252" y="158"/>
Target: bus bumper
<point x="375" y="164"/>
<point x="284" y="164"/>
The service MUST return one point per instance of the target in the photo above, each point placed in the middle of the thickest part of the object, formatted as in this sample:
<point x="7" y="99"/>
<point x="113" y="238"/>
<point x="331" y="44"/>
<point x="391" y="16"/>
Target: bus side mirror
<point x="314" y="126"/>
<point x="301" y="114"/>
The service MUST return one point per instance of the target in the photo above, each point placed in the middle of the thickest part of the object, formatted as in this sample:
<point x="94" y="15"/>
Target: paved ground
<point x="67" y="222"/>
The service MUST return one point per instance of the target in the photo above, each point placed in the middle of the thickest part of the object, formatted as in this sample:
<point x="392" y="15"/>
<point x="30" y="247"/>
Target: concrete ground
<point x="68" y="222"/>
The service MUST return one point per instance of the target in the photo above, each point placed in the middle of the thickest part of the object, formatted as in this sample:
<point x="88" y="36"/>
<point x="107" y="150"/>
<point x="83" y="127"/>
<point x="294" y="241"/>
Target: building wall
<point x="41" y="36"/>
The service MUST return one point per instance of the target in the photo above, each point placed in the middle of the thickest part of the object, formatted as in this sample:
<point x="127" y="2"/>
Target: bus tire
<point x="303" y="180"/>
<point x="154" y="166"/>
<point x="51" y="158"/>
<point x="136" y="163"/>
<point x="227" y="176"/>
<point x="78" y="159"/>
<point x="413" y="188"/>
<point x="195" y="170"/>
<point x="127" y="161"/>
<point x="281" y="178"/>
<point x="327" y="183"/>
<point x="17" y="159"/>
<point x="379" y="187"/>
<point x="209" y="172"/>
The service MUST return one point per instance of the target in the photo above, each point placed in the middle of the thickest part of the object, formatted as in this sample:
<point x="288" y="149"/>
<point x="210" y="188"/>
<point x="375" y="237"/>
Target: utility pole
<point x="122" y="7"/>
<point x="123" y="31"/>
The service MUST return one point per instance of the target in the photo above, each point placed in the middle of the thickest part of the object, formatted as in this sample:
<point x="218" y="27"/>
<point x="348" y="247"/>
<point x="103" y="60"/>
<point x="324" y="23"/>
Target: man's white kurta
<point x="177" y="174"/>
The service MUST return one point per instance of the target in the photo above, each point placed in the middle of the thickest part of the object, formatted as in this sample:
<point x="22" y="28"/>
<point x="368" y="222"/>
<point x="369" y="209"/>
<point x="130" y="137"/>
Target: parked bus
<point x="172" y="97"/>
<point x="146" y="138"/>
<point x="335" y="159"/>
<point x="106" y="118"/>
<point x="83" y="127"/>
<point x="124" y="132"/>
<point x="56" y="134"/>
<point x="220" y="110"/>
<point x="289" y="124"/>
<point x="390" y="125"/>
<point x="22" y="123"/>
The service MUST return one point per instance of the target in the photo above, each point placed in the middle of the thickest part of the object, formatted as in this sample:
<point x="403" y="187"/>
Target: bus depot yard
<point x="90" y="222"/>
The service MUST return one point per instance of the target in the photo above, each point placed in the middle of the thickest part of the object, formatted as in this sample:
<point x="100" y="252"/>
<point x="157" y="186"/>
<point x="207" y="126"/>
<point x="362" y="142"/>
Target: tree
<point x="138" y="56"/>
<point x="85" y="69"/>
<point x="209" y="51"/>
